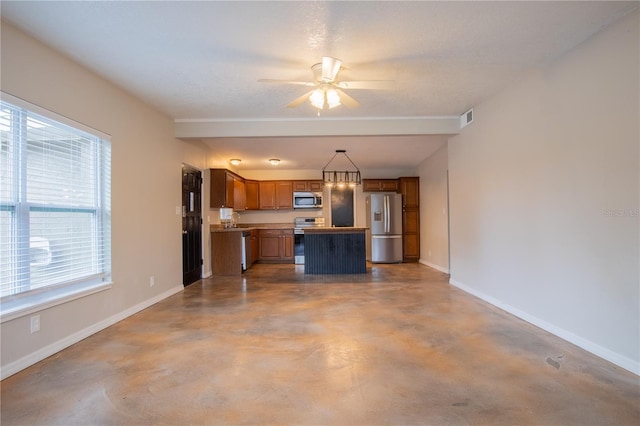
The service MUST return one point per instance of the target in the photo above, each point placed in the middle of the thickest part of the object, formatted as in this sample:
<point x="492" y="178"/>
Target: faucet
<point x="235" y="218"/>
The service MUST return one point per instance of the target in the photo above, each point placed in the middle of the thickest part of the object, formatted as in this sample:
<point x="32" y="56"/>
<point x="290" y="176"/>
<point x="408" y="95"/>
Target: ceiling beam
<point x="210" y="128"/>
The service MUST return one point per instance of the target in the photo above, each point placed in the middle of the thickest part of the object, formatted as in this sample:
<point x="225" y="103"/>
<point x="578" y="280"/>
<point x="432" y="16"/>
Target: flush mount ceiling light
<point x="274" y="161"/>
<point x="341" y="178"/>
<point x="235" y="161"/>
<point x="327" y="91"/>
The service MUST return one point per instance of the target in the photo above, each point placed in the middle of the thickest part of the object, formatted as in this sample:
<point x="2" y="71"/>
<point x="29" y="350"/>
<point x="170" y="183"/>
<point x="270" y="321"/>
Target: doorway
<point x="191" y="225"/>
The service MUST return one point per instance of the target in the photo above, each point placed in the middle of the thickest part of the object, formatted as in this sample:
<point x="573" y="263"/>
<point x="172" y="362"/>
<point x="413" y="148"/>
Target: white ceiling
<point x="202" y="60"/>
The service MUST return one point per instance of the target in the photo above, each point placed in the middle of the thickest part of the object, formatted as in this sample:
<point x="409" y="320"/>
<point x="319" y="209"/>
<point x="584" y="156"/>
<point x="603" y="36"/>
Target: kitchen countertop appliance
<point x="300" y="224"/>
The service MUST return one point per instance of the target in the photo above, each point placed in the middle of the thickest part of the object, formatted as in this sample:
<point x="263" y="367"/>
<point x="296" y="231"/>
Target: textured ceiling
<point x="202" y="60"/>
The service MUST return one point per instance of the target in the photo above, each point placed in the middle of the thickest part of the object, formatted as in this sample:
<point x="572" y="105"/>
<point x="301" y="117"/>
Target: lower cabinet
<point x="226" y="253"/>
<point x="411" y="235"/>
<point x="275" y="245"/>
<point x="254" y="247"/>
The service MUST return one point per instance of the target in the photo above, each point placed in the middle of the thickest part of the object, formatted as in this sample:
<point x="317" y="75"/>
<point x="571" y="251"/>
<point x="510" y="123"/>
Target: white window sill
<point x="19" y="307"/>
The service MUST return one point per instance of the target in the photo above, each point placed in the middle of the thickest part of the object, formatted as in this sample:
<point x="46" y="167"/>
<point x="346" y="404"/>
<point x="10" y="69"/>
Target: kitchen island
<point x="340" y="250"/>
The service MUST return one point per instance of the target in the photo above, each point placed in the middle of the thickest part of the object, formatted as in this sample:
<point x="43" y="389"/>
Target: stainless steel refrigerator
<point x="384" y="220"/>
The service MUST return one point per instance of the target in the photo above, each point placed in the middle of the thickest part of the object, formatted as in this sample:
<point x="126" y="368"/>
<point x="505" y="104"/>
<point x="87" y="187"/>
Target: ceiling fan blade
<point x="330" y="68"/>
<point x="366" y="84"/>
<point x="299" y="100"/>
<point x="347" y="100"/>
<point x="300" y="83"/>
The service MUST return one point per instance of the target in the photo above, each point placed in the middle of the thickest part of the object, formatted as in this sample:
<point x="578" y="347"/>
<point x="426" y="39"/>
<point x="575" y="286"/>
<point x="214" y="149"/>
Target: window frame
<point x="36" y="299"/>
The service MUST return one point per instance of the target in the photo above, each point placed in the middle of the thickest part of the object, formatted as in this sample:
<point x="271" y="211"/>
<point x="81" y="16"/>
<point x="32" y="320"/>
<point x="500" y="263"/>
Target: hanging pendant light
<point x="341" y="178"/>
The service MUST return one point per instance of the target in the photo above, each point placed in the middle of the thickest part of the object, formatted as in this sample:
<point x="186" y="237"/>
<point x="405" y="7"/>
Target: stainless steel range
<point x="301" y="223"/>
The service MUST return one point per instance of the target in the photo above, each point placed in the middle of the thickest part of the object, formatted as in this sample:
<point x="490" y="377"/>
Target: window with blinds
<point x="54" y="204"/>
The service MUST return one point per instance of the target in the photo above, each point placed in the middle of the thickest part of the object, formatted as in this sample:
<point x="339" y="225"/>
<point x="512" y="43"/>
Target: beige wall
<point x="146" y="185"/>
<point x="544" y="197"/>
<point x="434" y="211"/>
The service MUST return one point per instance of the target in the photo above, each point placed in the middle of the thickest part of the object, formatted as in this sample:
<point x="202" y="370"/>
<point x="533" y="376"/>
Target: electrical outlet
<point x="152" y="281"/>
<point x="35" y="323"/>
<point x="429" y="253"/>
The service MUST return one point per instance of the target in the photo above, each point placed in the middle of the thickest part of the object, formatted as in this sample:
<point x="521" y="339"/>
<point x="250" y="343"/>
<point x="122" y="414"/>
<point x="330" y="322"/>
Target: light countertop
<point x="250" y="226"/>
<point x="337" y="229"/>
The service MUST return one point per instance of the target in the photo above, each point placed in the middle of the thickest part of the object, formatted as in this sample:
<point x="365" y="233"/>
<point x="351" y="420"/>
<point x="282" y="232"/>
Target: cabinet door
<point x="389" y="185"/>
<point x="287" y="248"/>
<point x="230" y="189"/>
<point x="239" y="194"/>
<point x="255" y="247"/>
<point x="411" y="235"/>
<point x="370" y="185"/>
<point x="380" y="185"/>
<point x="284" y="190"/>
<point x="300" y="185"/>
<point x="267" y="190"/>
<point x="252" y="200"/>
<point x="270" y="245"/>
<point x="218" y="190"/>
<point x="410" y="189"/>
<point x="315" y="185"/>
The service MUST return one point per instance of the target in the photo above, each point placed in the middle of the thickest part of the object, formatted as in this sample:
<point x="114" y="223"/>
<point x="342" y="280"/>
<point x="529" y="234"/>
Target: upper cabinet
<point x="252" y="194"/>
<point x="307" y="185"/>
<point x="275" y="194"/>
<point x="227" y="190"/>
<point x="410" y="190"/>
<point x="239" y="194"/>
<point x="380" y="185"/>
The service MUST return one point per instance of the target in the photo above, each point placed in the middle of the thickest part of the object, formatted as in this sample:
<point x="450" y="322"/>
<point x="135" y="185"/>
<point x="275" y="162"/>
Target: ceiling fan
<point x="327" y="91"/>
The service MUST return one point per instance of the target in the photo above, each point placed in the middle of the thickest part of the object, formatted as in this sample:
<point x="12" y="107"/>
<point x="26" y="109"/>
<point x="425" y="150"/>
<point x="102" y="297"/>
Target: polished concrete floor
<point x="397" y="346"/>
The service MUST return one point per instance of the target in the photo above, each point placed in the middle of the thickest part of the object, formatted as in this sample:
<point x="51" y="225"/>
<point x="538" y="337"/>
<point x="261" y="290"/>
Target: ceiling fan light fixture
<point x="333" y="98"/>
<point x="317" y="98"/>
<point x="325" y="97"/>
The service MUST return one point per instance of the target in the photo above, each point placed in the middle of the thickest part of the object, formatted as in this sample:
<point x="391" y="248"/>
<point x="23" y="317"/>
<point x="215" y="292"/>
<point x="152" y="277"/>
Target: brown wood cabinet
<point x="380" y="185"/>
<point x="307" y="185"/>
<point x="410" y="190"/>
<point x="239" y="194"/>
<point x="276" y="245"/>
<point x="227" y="190"/>
<point x="254" y="248"/>
<point x="226" y="252"/>
<point x="275" y="194"/>
<point x="252" y="194"/>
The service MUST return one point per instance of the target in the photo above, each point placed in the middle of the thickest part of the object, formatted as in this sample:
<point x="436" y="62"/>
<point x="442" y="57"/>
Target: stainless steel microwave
<point x="307" y="200"/>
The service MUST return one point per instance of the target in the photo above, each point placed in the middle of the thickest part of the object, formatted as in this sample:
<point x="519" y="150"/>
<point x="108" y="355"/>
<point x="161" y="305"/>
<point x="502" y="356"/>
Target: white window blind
<point x="54" y="204"/>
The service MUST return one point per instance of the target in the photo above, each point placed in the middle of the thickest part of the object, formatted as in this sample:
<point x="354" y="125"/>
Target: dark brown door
<point x="191" y="225"/>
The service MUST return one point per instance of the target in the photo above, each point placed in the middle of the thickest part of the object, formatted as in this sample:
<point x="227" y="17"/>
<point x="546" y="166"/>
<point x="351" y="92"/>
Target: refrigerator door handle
<point x="386" y="213"/>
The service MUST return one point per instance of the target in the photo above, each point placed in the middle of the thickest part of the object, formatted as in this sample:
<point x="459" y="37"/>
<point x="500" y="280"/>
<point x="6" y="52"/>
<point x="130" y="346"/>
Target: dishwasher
<point x="244" y="249"/>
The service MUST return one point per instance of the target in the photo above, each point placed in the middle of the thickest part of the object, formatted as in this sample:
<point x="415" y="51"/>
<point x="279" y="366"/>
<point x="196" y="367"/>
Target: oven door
<point x="298" y="246"/>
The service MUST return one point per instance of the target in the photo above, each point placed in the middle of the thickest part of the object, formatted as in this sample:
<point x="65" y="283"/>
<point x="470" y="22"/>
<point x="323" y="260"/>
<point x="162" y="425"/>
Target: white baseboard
<point x="434" y="266"/>
<point x="37" y="356"/>
<point x="587" y="345"/>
